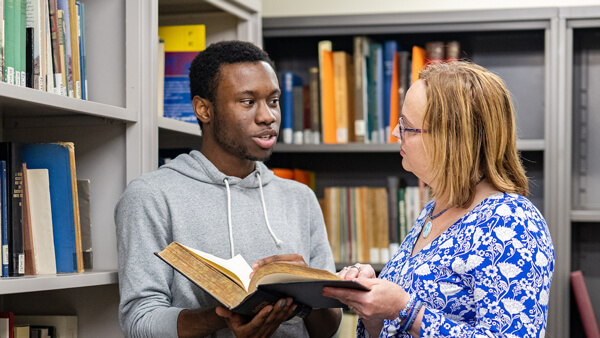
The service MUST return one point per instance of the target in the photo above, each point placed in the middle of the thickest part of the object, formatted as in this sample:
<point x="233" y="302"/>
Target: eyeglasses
<point x="403" y="129"/>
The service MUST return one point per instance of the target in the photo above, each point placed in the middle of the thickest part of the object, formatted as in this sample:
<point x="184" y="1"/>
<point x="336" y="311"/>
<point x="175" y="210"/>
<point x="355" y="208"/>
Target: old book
<point x="361" y="53"/>
<point x="343" y="80"/>
<point x="228" y="280"/>
<point x="27" y="236"/>
<point x="59" y="159"/>
<point x="315" y="109"/>
<point x="38" y="191"/>
<point x="83" y="192"/>
<point x="435" y="53"/>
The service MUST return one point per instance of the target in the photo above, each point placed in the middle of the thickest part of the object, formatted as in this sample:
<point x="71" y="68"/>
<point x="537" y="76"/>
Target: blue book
<point x="11" y="152"/>
<point x="82" y="65"/>
<point x="59" y="159"/>
<point x="177" y="99"/>
<point x="290" y="80"/>
<point x="4" y="217"/>
<point x="389" y="49"/>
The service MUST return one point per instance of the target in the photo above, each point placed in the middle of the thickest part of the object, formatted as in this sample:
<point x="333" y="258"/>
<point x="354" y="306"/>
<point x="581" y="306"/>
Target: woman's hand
<point x="263" y="324"/>
<point x="383" y="301"/>
<point x="357" y="270"/>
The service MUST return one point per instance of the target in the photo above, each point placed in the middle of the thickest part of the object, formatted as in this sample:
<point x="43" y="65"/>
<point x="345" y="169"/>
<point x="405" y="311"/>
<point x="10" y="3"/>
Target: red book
<point x="586" y="312"/>
<point x="11" y="323"/>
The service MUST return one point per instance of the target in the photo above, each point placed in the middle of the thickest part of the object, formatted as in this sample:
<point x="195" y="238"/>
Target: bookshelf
<point x="580" y="27"/>
<point x="224" y="20"/>
<point x="522" y="46"/>
<point x="109" y="137"/>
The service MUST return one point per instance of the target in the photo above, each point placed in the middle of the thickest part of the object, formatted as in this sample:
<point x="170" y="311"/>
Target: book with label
<point x="59" y="159"/>
<point x="181" y="45"/>
<point x="229" y="282"/>
<point x="12" y="154"/>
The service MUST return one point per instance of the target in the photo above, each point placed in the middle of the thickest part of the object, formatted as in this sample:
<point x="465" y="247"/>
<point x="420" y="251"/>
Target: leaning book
<point x="229" y="280"/>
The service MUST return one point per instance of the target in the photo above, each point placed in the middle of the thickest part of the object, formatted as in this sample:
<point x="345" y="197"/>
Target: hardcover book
<point x="229" y="282"/>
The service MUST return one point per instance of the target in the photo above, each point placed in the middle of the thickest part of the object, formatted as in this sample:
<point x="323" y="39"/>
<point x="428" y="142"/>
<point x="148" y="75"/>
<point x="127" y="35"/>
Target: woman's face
<point x="412" y="150"/>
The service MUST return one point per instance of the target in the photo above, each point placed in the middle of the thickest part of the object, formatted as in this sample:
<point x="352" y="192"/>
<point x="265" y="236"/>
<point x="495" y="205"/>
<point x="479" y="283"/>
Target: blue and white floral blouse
<point x="488" y="275"/>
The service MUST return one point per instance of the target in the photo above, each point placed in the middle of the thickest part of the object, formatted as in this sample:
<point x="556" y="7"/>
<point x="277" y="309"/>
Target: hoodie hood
<point x="196" y="166"/>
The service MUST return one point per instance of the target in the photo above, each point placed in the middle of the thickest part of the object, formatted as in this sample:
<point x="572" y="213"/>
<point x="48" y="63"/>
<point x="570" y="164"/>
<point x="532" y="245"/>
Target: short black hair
<point x="206" y="68"/>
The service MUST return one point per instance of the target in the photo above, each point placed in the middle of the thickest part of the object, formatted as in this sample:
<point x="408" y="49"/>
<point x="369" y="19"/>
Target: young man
<point x="224" y="201"/>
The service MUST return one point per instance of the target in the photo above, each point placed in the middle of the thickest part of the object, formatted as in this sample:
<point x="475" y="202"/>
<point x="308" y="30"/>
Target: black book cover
<point x="11" y="153"/>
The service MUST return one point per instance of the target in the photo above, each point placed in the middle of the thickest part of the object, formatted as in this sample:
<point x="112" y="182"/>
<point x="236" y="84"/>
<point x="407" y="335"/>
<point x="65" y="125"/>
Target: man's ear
<point x="202" y="109"/>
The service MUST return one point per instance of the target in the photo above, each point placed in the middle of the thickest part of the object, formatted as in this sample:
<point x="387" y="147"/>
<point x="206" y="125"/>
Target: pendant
<point x="427" y="229"/>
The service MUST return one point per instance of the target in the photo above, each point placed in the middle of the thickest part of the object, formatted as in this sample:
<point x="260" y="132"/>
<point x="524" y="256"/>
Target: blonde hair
<point x="471" y="132"/>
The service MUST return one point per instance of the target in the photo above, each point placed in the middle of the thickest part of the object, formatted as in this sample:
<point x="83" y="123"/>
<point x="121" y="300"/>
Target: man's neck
<point x="228" y="164"/>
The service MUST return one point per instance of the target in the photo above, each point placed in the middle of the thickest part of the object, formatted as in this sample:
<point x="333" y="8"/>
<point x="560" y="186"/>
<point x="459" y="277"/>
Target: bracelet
<point x="411" y="317"/>
<point x="404" y="312"/>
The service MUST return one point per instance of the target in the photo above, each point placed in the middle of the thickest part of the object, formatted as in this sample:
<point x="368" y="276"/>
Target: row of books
<point x="42" y="45"/>
<point x="366" y="224"/>
<point x="354" y="97"/>
<point x="44" y="210"/>
<point x="178" y="46"/>
<point x="19" y="326"/>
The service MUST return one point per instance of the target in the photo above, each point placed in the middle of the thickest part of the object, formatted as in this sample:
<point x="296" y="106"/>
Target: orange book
<point x="419" y="57"/>
<point x="283" y="173"/>
<point x="394" y="100"/>
<point x="328" y="120"/>
<point x="343" y="81"/>
<point x="305" y="176"/>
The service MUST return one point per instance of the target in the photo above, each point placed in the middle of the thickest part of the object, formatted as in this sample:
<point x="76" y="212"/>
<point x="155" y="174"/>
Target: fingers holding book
<point x="357" y="270"/>
<point x="263" y="324"/>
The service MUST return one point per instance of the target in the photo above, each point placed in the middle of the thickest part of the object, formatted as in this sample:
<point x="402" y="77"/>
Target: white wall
<point x="285" y="8"/>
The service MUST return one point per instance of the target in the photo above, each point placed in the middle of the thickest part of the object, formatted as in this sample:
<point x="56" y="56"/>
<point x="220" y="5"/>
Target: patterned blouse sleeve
<point x="508" y="270"/>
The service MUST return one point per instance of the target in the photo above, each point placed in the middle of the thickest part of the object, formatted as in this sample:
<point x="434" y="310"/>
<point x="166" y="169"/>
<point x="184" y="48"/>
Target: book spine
<point x="55" y="47"/>
<point x="4" y="216"/>
<point x="63" y="5"/>
<point x="359" y="64"/>
<point x="16" y="265"/>
<point x="298" y="112"/>
<point x="287" y="98"/>
<point x="315" y="108"/>
<point x="389" y="51"/>
<point x="10" y="42"/>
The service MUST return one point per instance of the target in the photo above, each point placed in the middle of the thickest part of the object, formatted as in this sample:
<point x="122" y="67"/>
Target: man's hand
<point x="287" y="258"/>
<point x="263" y="324"/>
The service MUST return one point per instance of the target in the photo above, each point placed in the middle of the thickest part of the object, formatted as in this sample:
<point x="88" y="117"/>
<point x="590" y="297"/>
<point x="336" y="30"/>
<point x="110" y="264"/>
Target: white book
<point x="41" y="220"/>
<point x="4" y="328"/>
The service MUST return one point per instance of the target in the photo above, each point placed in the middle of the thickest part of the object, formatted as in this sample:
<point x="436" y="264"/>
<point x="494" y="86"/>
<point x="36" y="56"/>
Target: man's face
<point x="246" y="110"/>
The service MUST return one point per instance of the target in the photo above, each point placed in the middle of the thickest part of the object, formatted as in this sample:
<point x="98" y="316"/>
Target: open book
<point x="229" y="282"/>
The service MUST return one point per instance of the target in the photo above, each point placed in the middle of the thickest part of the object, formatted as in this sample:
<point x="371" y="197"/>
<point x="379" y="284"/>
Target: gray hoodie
<point x="187" y="201"/>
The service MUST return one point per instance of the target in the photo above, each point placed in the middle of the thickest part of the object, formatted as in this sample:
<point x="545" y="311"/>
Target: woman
<point x="478" y="261"/>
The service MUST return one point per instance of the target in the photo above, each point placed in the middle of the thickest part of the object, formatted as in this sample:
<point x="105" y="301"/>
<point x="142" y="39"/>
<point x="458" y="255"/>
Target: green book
<point x="10" y="41"/>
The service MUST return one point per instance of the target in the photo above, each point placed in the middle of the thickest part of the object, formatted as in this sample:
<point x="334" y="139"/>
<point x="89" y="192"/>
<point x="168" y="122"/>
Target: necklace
<point x="427" y="227"/>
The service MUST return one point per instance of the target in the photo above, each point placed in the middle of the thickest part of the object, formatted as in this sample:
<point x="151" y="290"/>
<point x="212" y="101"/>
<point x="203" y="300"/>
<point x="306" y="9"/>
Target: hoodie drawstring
<point x="278" y="242"/>
<point x="229" y="216"/>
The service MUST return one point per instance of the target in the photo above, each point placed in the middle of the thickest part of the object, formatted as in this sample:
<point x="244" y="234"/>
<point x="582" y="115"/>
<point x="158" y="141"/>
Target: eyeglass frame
<point x="402" y="129"/>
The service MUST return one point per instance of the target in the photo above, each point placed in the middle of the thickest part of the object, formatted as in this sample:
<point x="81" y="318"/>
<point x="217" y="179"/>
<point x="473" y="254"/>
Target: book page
<point x="235" y="268"/>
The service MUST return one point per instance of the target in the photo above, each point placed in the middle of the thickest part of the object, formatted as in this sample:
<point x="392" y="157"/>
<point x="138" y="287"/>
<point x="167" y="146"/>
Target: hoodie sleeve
<point x="320" y="255"/>
<point x="142" y="217"/>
